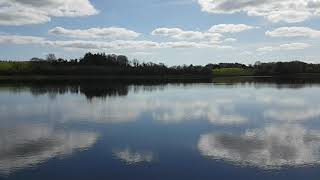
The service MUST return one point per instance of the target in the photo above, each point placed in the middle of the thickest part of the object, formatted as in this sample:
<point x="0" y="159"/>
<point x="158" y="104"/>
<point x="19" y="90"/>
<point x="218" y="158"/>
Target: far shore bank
<point x="149" y="78"/>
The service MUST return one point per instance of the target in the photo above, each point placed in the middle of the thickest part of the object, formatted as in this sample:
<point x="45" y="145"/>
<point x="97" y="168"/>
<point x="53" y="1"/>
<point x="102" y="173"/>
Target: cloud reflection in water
<point x="26" y="145"/>
<point x="271" y="147"/>
<point x="133" y="157"/>
<point x="184" y="110"/>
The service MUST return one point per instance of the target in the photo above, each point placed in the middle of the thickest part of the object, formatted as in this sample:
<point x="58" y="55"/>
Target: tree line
<point x="111" y="64"/>
<point x="99" y="64"/>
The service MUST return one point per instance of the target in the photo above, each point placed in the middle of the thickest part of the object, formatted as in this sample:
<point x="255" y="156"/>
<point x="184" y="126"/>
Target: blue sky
<point x="169" y="31"/>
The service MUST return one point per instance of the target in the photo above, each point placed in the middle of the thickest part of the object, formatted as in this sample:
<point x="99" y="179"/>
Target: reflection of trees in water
<point x="90" y="90"/>
<point x="103" y="90"/>
<point x="148" y="88"/>
<point x="53" y="90"/>
<point x="94" y="88"/>
<point x="107" y="88"/>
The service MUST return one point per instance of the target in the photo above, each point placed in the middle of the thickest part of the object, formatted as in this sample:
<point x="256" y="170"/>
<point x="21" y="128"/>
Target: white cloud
<point x="16" y="39"/>
<point x="214" y="34"/>
<point x="186" y="44"/>
<point x="294" y="32"/>
<point x="21" y="12"/>
<point x="246" y="53"/>
<point x="102" y="45"/>
<point x="180" y="34"/>
<point x="230" y="28"/>
<point x="230" y="40"/>
<point x="166" y="31"/>
<point x="120" y="44"/>
<point x="141" y="53"/>
<point x="268" y="148"/>
<point x="80" y="44"/>
<point x="290" y="46"/>
<point x="274" y="10"/>
<point x="20" y="16"/>
<point x="102" y="33"/>
<point x="294" y="46"/>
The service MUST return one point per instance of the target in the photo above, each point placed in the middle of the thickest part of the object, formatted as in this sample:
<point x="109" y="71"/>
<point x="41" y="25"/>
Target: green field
<point x="233" y="72"/>
<point x="13" y="67"/>
<point x="5" y="66"/>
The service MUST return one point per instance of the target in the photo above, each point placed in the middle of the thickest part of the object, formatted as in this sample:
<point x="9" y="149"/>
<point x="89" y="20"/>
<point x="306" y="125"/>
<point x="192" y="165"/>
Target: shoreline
<point x="37" y="79"/>
<point x="144" y="77"/>
<point x="98" y="77"/>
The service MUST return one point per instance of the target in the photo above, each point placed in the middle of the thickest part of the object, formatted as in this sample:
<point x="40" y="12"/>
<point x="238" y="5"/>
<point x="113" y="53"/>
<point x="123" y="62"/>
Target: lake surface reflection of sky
<point x="160" y="131"/>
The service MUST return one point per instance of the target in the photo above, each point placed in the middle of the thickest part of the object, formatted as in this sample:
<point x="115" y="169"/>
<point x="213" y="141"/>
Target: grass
<point x="233" y="72"/>
<point x="5" y="66"/>
<point x="12" y="67"/>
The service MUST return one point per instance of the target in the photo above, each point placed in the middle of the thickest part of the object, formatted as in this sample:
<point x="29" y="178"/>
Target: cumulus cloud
<point x="28" y="145"/>
<point x="16" y="39"/>
<point x="186" y="44"/>
<point x="268" y="148"/>
<point x="79" y="44"/>
<point x="179" y="34"/>
<point x="101" y="33"/>
<point x="141" y="53"/>
<point x="230" y="40"/>
<point x="246" y="53"/>
<point x="122" y="44"/>
<point x="273" y="10"/>
<point x="102" y="45"/>
<point x="294" y="32"/>
<point x="230" y="28"/>
<point x="214" y="34"/>
<point x="21" y="12"/>
<point x="290" y="46"/>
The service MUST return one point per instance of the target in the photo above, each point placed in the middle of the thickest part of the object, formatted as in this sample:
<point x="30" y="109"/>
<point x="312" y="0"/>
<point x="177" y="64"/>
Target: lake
<point x="220" y="129"/>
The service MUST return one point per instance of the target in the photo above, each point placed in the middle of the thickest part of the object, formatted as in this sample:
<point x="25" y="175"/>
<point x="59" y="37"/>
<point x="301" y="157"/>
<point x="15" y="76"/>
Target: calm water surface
<point x="199" y="131"/>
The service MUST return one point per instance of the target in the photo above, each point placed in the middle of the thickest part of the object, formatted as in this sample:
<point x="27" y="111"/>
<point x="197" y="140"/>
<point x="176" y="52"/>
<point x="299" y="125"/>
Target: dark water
<point x="142" y="131"/>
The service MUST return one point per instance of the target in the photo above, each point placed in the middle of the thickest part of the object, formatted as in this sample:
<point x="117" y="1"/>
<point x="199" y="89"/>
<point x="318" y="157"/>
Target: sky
<point x="168" y="31"/>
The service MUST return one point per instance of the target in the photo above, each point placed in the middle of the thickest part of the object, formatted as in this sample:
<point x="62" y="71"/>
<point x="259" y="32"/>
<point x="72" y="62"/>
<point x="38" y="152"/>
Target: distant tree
<point x="74" y="61"/>
<point x="111" y="59"/>
<point x="51" y="58"/>
<point x="257" y="63"/>
<point x="36" y="59"/>
<point x="135" y="62"/>
<point x="122" y="60"/>
<point x="61" y="60"/>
